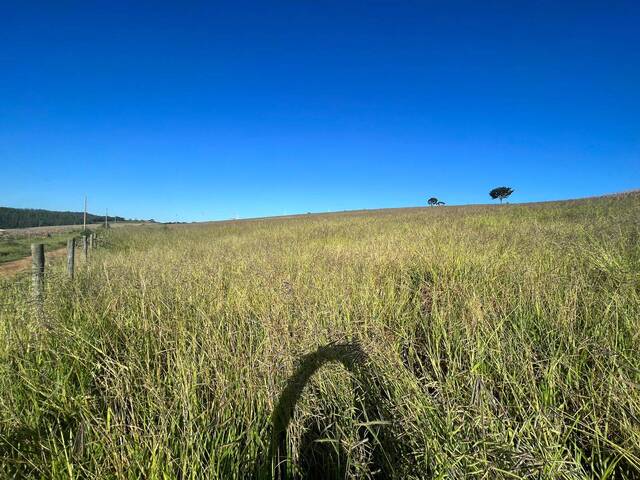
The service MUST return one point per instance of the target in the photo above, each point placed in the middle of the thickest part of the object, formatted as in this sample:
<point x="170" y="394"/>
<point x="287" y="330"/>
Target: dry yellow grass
<point x="501" y="342"/>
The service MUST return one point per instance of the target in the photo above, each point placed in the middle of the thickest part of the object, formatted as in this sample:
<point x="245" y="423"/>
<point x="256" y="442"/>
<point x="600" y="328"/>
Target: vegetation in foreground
<point x="496" y="342"/>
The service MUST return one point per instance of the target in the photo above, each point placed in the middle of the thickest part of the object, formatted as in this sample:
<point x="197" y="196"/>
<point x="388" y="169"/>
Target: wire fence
<point x="29" y="287"/>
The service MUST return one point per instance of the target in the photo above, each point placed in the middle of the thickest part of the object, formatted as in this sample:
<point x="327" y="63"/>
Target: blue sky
<point x="211" y="110"/>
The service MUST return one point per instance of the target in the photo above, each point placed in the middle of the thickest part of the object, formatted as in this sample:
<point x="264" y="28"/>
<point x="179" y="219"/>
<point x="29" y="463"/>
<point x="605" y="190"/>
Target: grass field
<point x="488" y="342"/>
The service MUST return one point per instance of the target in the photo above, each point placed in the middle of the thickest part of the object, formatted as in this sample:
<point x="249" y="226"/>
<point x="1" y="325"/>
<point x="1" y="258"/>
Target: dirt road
<point x="17" y="266"/>
<point x="12" y="268"/>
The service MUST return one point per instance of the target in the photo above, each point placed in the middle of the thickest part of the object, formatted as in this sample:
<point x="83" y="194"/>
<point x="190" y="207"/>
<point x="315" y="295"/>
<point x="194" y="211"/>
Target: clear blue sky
<point x="210" y="110"/>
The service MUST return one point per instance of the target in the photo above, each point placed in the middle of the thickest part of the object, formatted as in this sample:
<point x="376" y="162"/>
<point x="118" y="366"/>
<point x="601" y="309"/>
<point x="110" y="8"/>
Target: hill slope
<point x="492" y="342"/>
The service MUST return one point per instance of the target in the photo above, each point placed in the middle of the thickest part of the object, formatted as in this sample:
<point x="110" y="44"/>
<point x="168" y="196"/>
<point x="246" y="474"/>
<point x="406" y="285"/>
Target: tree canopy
<point x="27" y="217"/>
<point x="500" y="193"/>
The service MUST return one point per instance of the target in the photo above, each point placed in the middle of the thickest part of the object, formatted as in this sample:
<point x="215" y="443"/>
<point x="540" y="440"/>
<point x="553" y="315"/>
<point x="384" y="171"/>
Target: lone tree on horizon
<point x="432" y="201"/>
<point x="500" y="193"/>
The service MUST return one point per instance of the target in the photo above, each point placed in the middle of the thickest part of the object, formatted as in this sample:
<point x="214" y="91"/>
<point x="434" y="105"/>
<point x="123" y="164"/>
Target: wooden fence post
<point x="71" y="254"/>
<point x="37" y="270"/>
<point x="85" y="248"/>
<point x="91" y="243"/>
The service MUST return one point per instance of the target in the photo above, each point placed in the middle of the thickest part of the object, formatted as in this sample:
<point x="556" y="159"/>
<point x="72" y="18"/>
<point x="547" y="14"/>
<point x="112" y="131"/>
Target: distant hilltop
<point x="28" y="217"/>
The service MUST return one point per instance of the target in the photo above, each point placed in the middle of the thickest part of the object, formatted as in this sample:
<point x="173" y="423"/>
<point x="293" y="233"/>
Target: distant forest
<point x="27" y="217"/>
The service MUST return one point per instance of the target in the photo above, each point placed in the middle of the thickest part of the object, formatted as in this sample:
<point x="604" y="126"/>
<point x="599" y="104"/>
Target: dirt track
<point x="11" y="268"/>
<point x="22" y="264"/>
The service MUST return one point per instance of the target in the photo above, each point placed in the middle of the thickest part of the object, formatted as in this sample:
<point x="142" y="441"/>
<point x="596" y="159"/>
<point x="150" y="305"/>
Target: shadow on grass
<point x="326" y="460"/>
<point x="24" y="450"/>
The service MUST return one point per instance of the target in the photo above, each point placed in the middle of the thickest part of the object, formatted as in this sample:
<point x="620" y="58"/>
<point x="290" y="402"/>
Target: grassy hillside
<point x="487" y="342"/>
<point x="27" y="217"/>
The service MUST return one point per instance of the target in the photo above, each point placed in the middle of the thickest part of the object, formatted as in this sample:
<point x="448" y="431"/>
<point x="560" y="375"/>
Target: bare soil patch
<point x="12" y="268"/>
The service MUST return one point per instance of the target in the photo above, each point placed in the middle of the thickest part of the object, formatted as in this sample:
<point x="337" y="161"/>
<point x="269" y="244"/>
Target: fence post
<point x="71" y="254"/>
<point x="85" y="248"/>
<point x="91" y="241"/>
<point x="37" y="270"/>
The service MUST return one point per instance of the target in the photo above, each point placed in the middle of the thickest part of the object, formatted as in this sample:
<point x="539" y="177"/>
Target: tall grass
<point x="503" y="342"/>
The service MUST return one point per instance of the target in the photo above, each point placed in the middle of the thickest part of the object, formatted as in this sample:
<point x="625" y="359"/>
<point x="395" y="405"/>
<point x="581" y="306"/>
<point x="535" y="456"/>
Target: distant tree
<point x="440" y="203"/>
<point x="500" y="193"/>
<point x="432" y="201"/>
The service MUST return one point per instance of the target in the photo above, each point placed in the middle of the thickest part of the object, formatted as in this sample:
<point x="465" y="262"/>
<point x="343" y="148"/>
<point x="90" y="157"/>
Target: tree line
<point x="27" y="217"/>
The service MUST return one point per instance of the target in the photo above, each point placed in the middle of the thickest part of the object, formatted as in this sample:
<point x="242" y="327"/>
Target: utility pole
<point x="84" y="221"/>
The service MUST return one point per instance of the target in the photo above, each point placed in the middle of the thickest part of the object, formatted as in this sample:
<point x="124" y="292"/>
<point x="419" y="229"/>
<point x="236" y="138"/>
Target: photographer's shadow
<point x="318" y="456"/>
